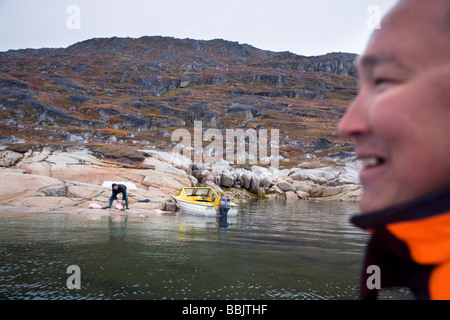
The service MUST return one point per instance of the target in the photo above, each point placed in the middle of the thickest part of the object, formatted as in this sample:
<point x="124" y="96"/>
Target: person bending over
<point x="116" y="189"/>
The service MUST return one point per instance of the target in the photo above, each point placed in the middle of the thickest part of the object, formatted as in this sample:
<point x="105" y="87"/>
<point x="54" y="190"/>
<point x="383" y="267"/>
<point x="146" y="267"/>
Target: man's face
<point x="115" y="187"/>
<point x="400" y="120"/>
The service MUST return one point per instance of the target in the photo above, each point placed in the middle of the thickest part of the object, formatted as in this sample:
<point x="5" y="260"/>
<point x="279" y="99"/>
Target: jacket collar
<point x="427" y="206"/>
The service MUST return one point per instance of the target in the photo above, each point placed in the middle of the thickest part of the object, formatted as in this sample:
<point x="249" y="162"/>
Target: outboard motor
<point x="224" y="207"/>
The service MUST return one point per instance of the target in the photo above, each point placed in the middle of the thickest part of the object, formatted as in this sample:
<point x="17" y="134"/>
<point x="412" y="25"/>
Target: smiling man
<point x="400" y="122"/>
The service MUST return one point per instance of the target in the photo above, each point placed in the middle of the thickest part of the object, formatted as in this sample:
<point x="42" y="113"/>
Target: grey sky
<point x="310" y="27"/>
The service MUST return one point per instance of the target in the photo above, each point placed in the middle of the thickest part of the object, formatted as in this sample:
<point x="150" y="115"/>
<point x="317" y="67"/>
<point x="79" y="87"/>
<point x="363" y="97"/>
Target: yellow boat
<point x="202" y="201"/>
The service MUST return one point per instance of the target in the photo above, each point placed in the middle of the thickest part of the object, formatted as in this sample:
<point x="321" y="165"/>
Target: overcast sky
<point x="304" y="27"/>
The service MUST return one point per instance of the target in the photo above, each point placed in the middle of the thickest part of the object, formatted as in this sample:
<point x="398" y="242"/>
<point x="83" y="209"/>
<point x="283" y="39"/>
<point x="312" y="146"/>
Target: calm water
<point x="272" y="250"/>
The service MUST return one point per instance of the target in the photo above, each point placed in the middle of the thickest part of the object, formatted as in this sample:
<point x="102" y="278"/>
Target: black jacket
<point x="121" y="188"/>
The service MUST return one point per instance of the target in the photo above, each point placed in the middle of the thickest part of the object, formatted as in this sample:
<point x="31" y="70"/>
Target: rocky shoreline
<point x="69" y="179"/>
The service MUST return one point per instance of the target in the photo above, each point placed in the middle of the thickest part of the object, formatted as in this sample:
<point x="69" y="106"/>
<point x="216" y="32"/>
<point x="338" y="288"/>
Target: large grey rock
<point x="12" y="139"/>
<point x="242" y="110"/>
<point x="9" y="158"/>
<point x="54" y="191"/>
<point x="13" y="83"/>
<point x="227" y="179"/>
<point x="153" y="86"/>
<point x="285" y="186"/>
<point x="108" y="112"/>
<point x="136" y="122"/>
<point x="213" y="119"/>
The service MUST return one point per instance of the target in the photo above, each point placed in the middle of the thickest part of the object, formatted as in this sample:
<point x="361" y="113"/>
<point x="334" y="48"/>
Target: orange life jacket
<point x="410" y="244"/>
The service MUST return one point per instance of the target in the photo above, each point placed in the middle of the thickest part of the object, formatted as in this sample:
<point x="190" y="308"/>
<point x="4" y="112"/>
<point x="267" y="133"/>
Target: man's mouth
<point x="371" y="161"/>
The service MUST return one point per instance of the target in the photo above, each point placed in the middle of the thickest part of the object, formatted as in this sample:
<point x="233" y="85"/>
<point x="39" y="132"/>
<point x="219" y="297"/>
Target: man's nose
<point x="355" y="121"/>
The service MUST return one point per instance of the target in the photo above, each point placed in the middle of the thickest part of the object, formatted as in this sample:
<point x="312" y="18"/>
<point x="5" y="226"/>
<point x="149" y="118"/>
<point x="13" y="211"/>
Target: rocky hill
<point x="132" y="93"/>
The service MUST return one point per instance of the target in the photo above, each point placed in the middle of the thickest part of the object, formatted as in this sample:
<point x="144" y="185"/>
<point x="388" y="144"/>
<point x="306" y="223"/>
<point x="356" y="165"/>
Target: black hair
<point x="114" y="184"/>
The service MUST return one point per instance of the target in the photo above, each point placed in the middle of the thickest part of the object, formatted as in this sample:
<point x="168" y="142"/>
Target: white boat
<point x="202" y="201"/>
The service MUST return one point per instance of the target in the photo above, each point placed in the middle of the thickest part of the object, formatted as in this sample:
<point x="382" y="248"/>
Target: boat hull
<point x="202" y="209"/>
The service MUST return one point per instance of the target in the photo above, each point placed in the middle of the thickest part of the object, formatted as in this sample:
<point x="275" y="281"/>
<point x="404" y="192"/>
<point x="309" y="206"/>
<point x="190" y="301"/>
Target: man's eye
<point x="379" y="81"/>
